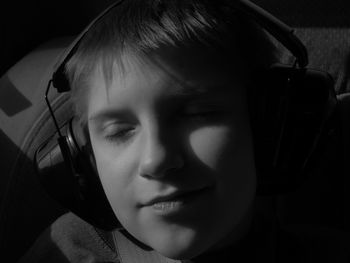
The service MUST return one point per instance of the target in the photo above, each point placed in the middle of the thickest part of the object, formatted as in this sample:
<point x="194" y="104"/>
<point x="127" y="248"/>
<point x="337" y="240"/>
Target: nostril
<point x="161" y="152"/>
<point x="159" y="164"/>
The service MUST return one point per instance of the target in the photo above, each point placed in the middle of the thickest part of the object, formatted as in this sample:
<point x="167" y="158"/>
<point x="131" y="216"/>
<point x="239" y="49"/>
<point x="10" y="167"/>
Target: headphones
<point x="291" y="110"/>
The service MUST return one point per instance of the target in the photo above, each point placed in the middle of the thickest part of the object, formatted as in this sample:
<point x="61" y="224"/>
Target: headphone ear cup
<point x="267" y="102"/>
<point x="290" y="109"/>
<point x="68" y="173"/>
<point x="81" y="138"/>
<point x="95" y="207"/>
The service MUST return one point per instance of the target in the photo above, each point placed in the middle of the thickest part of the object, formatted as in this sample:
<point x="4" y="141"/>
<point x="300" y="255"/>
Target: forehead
<point x="167" y="71"/>
<point x="192" y="62"/>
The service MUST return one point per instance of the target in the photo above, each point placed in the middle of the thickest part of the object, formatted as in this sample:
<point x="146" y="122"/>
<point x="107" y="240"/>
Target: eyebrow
<point x="185" y="93"/>
<point x="193" y="91"/>
<point x="107" y="114"/>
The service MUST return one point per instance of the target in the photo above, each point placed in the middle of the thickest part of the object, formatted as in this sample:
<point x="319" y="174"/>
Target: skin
<point x="173" y="121"/>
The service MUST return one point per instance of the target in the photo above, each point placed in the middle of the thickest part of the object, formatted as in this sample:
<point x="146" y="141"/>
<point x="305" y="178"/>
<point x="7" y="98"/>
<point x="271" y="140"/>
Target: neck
<point x="248" y="242"/>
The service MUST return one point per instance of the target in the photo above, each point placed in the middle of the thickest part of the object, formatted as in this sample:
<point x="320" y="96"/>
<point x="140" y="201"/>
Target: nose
<point x="160" y="155"/>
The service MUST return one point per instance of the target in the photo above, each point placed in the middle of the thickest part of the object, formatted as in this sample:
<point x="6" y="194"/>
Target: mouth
<point x="175" y="202"/>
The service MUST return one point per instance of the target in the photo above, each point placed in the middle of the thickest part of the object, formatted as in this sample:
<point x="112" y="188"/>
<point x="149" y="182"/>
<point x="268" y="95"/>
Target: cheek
<point x="227" y="152"/>
<point x="214" y="146"/>
<point x="208" y="144"/>
<point x="116" y="172"/>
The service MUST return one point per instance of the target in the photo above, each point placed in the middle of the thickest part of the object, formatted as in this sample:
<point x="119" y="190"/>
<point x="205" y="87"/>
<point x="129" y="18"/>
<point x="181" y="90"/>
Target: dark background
<point x="26" y="24"/>
<point x="323" y="25"/>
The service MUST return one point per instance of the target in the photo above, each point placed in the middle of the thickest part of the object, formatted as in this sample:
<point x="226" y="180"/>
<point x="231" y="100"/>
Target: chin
<point x="179" y="247"/>
<point x="179" y="253"/>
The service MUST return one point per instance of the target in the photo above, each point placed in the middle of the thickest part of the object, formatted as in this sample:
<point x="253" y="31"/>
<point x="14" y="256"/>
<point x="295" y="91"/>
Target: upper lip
<point x="170" y="196"/>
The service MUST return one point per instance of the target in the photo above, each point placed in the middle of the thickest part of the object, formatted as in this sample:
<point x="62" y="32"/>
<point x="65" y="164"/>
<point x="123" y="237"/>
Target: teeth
<point x="166" y="205"/>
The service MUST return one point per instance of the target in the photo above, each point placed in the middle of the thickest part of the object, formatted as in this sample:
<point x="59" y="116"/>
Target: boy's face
<point x="173" y="149"/>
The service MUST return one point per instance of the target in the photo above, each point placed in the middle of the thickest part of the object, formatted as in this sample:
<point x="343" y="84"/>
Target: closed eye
<point x="118" y="132"/>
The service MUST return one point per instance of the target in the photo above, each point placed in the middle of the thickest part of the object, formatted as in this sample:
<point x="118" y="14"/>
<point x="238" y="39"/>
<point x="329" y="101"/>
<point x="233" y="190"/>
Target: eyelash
<point x="120" y="136"/>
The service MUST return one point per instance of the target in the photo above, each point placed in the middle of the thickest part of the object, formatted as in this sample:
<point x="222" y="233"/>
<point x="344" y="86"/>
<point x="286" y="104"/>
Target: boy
<point x="161" y="87"/>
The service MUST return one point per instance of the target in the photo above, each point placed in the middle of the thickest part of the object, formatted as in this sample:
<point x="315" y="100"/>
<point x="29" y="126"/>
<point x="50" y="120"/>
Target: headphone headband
<point x="279" y="30"/>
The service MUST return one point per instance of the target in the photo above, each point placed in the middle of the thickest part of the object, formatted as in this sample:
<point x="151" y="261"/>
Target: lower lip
<point x="179" y="204"/>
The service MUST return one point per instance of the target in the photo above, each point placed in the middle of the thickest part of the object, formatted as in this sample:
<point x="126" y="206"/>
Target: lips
<point x="173" y="197"/>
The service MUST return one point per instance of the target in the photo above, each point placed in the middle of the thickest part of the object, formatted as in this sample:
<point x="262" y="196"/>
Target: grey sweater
<point x="70" y="239"/>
